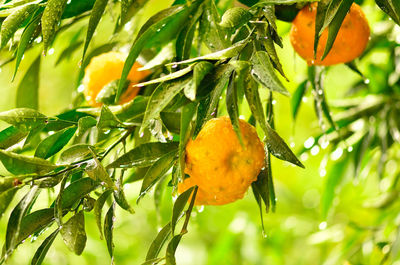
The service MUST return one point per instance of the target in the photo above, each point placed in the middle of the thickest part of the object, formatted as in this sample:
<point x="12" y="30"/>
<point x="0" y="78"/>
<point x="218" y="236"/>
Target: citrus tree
<point x="182" y="104"/>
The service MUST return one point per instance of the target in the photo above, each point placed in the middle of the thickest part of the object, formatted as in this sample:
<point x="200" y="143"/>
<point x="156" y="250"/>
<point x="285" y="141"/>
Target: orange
<point x="218" y="164"/>
<point x="350" y="42"/>
<point x="105" y="68"/>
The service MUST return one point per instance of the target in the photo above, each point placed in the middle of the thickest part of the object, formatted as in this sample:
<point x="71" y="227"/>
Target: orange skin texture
<point x="219" y="166"/>
<point x="350" y="42"/>
<point x="108" y="67"/>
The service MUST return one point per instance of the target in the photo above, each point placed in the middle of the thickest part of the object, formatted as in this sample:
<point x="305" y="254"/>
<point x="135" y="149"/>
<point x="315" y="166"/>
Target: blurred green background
<point x="230" y="234"/>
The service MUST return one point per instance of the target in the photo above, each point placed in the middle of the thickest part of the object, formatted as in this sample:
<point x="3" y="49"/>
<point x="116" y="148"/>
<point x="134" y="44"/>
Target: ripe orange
<point x="350" y="42"/>
<point x="108" y="67"/>
<point x="217" y="163"/>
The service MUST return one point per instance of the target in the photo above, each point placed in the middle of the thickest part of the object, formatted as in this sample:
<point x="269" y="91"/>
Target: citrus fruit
<point x="217" y="163"/>
<point x="105" y="68"/>
<point x="350" y="41"/>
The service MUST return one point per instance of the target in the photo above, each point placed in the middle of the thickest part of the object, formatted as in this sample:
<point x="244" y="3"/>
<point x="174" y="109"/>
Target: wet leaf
<point x="97" y="172"/>
<point x="77" y="7"/>
<point x="95" y="16"/>
<point x="297" y="98"/>
<point x="41" y="252"/>
<point x="200" y="70"/>
<point x="320" y="21"/>
<point x="76" y="191"/>
<point x="171" y="120"/>
<point x="50" y="19"/>
<point x="163" y="25"/>
<point x="263" y="72"/>
<point x="261" y="189"/>
<point x="144" y="155"/>
<point x="98" y="209"/>
<point x="158" y="242"/>
<point x="11" y="136"/>
<point x="108" y="229"/>
<point x="24" y="119"/>
<point x="12" y="23"/>
<point x="179" y="206"/>
<point x="235" y="17"/>
<point x="20" y="164"/>
<point x="160" y="98"/>
<point x="390" y="7"/>
<point x="120" y="198"/>
<point x="74" y="234"/>
<point x="54" y="143"/>
<point x="84" y="124"/>
<point x="232" y="105"/>
<point x="171" y="76"/>
<point x="75" y="153"/>
<point x="28" y="88"/>
<point x="334" y="26"/>
<point x="107" y="119"/>
<point x="26" y="39"/>
<point x="171" y="249"/>
<point x="156" y="171"/>
<point x="5" y="199"/>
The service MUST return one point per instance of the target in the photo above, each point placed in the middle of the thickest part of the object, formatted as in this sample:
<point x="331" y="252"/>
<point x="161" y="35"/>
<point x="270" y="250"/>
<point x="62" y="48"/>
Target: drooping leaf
<point x="41" y="252"/>
<point x="20" y="164"/>
<point x="232" y="106"/>
<point x="28" y="89"/>
<point x="74" y="234"/>
<point x="5" y="199"/>
<point x="97" y="172"/>
<point x="320" y="21"/>
<point x="76" y="191"/>
<point x="263" y="72"/>
<point x="98" y="209"/>
<point x="171" y="76"/>
<point x="156" y="171"/>
<point x="54" y="143"/>
<point x="120" y="198"/>
<point x="390" y="7"/>
<point x="179" y="206"/>
<point x="77" y="7"/>
<point x="107" y="119"/>
<point x="75" y="153"/>
<point x="144" y="155"/>
<point x="26" y="39"/>
<point x="297" y="98"/>
<point x="171" y="249"/>
<point x="95" y="16"/>
<point x="24" y="119"/>
<point x="158" y="242"/>
<point x="108" y="229"/>
<point x="84" y="124"/>
<point x="235" y="17"/>
<point x="12" y="23"/>
<point x="200" y="70"/>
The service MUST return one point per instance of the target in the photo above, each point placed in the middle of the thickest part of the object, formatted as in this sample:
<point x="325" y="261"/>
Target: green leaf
<point x="12" y="23"/>
<point x="163" y="25"/>
<point x="156" y="171"/>
<point x="84" y="124"/>
<point x="20" y="164"/>
<point x="26" y="39"/>
<point x="75" y="154"/>
<point x="232" y="105"/>
<point x="216" y="84"/>
<point x="131" y="110"/>
<point x="332" y="181"/>
<point x="120" y="198"/>
<point x="224" y="54"/>
<point x="390" y="7"/>
<point x="158" y="242"/>
<point x="200" y="70"/>
<point x="275" y="144"/>
<point x="97" y="172"/>
<point x="11" y="136"/>
<point x="107" y="119"/>
<point x="320" y="21"/>
<point x="160" y="98"/>
<point x="334" y="26"/>
<point x="54" y="143"/>
<point x="144" y="155"/>
<point x="28" y="89"/>
<point x="41" y="252"/>
<point x="77" y="7"/>
<point x="16" y="216"/>
<point x="74" y="234"/>
<point x="95" y="16"/>
<point x="260" y="187"/>
<point x="50" y="19"/>
<point x="171" y="76"/>
<point x="297" y="98"/>
<point x="171" y="249"/>
<point x="235" y="17"/>
<point x="24" y="119"/>
<point x="5" y="199"/>
<point x="179" y="206"/>
<point x="187" y="124"/>
<point x="76" y="191"/>
<point x="98" y="209"/>
<point x="108" y="229"/>
<point x="263" y="72"/>
<point x="171" y="120"/>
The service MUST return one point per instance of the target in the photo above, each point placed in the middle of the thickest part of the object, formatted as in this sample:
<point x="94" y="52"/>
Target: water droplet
<point x="322" y="172"/>
<point x="200" y="209"/>
<point x="366" y="81"/>
<point x="322" y="225"/>
<point x="309" y="142"/>
<point x="273" y="102"/>
<point x="315" y="150"/>
<point x="337" y="154"/>
<point x="174" y="66"/>
<point x="349" y="149"/>
<point x="51" y="51"/>
<point x="81" y="88"/>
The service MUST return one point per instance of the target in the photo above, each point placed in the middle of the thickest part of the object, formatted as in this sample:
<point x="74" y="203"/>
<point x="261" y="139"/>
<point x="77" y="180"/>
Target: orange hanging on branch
<point x="349" y="44"/>
<point x="219" y="165"/>
<point x="105" y="68"/>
